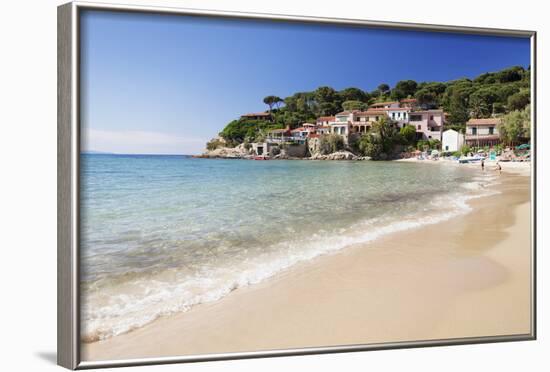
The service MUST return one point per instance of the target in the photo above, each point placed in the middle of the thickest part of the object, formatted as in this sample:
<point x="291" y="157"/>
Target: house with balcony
<point x="257" y="116"/>
<point x="428" y="123"/>
<point x="482" y="132"/>
<point x="399" y="115"/>
<point x="279" y="135"/>
<point x="362" y="120"/>
<point x="300" y="134"/>
<point x="342" y="124"/>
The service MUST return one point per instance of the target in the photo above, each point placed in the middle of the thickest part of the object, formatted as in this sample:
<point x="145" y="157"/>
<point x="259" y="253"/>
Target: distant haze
<point x="162" y="84"/>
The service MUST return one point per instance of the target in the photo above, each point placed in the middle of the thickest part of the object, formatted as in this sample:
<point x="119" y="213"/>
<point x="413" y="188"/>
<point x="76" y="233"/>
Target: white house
<point x="451" y="140"/>
<point x="400" y="115"/>
<point x="342" y="123"/>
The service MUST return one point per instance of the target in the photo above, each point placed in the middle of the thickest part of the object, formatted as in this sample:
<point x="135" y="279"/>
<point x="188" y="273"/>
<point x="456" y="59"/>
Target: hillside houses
<point x="429" y="124"/>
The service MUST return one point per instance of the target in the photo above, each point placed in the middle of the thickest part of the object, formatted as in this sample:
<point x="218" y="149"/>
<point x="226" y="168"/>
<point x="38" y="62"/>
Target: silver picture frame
<point x="68" y="201"/>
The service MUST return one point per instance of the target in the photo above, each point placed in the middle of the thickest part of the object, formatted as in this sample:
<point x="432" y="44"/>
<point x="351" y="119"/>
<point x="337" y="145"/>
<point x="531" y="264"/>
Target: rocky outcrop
<point x="237" y="152"/>
<point x="283" y="152"/>
<point x="314" y="146"/>
<point x="342" y="155"/>
<point x="339" y="155"/>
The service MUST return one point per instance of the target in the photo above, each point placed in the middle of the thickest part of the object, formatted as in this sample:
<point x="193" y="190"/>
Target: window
<point x="416" y="117"/>
<point x="447" y="148"/>
<point x="419" y="127"/>
<point x="491" y="130"/>
<point x="474" y="131"/>
<point x="431" y="117"/>
<point x="393" y="115"/>
<point x="376" y="118"/>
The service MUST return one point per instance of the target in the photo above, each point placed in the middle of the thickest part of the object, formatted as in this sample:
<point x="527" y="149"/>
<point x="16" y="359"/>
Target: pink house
<point x="428" y="123"/>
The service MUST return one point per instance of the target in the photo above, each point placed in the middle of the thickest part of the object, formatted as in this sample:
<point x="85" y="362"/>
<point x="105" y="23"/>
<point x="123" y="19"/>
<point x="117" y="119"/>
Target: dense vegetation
<point x="330" y="143"/>
<point x="493" y="93"/>
<point x="245" y="130"/>
<point x="516" y="126"/>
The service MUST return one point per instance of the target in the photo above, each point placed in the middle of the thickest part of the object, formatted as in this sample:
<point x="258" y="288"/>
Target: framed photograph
<point x="235" y="185"/>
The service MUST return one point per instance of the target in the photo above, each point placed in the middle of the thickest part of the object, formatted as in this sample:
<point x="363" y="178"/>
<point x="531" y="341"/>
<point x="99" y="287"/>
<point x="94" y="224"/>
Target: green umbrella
<point x="525" y="146"/>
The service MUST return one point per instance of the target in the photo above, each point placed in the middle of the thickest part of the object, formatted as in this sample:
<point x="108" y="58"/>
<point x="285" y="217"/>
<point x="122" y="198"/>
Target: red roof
<point x="489" y="121"/>
<point x="301" y="129"/>
<point x="408" y="100"/>
<point x="370" y="112"/>
<point x="326" y="118"/>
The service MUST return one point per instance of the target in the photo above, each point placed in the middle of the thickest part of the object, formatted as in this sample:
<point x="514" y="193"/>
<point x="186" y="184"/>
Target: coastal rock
<point x="227" y="152"/>
<point x="314" y="147"/>
<point x="318" y="156"/>
<point x="281" y="156"/>
<point x="342" y="155"/>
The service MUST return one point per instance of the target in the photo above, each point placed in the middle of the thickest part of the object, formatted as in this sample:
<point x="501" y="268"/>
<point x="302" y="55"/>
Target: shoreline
<point x="521" y="168"/>
<point x="518" y="168"/>
<point x="316" y="303"/>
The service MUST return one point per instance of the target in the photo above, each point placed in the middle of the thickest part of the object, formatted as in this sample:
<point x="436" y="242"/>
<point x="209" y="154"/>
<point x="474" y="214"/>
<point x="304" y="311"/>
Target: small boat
<point x="261" y="157"/>
<point x="471" y="159"/>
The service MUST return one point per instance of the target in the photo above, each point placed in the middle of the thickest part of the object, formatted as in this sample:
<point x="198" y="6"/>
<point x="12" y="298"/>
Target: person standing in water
<point x="499" y="168"/>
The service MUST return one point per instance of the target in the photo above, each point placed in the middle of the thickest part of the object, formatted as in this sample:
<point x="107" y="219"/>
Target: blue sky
<point x="162" y="84"/>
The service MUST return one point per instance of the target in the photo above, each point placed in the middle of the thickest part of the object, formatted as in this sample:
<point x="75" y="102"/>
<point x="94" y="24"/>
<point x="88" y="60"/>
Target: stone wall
<point x="295" y="150"/>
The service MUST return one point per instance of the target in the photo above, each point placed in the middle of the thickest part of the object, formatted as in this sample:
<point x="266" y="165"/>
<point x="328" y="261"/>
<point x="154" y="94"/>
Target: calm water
<point x="163" y="233"/>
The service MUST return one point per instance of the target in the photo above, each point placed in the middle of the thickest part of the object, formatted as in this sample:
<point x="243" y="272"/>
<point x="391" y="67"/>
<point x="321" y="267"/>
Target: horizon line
<point x="126" y="154"/>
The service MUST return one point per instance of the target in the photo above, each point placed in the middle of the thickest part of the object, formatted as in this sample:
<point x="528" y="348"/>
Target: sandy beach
<point x="468" y="276"/>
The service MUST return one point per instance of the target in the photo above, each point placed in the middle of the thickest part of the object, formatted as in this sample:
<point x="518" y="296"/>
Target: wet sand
<point x="466" y="277"/>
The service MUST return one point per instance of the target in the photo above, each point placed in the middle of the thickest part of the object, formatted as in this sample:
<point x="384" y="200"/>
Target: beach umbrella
<point x="480" y="151"/>
<point x="525" y="146"/>
<point x="435" y="152"/>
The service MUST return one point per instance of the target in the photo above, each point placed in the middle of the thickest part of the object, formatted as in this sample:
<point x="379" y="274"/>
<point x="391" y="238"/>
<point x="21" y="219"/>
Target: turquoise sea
<point x="161" y="234"/>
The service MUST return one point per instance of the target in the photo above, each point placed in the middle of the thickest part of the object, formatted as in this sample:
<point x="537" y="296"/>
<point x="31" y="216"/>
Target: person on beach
<point x="482" y="164"/>
<point x="499" y="168"/>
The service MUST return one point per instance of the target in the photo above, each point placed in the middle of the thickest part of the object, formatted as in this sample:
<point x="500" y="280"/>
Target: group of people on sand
<point x="498" y="167"/>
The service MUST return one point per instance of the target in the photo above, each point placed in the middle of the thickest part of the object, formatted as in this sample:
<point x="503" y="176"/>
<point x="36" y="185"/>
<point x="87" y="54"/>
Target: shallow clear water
<point x="160" y="234"/>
